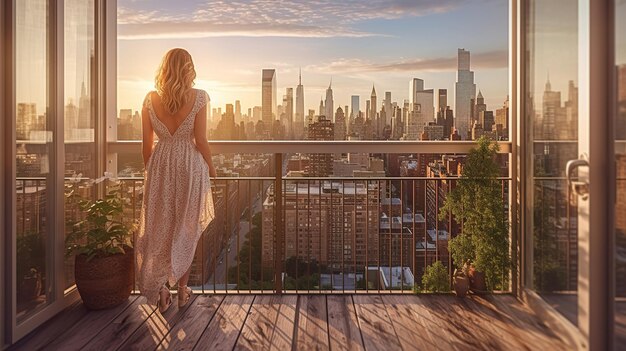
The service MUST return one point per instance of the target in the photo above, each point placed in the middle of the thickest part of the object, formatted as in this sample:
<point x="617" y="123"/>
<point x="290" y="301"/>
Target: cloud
<point x="277" y="18"/>
<point x="482" y="60"/>
<point x="175" y="30"/>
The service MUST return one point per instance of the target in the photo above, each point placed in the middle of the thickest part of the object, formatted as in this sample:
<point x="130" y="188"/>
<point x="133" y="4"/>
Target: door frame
<point x="596" y="62"/>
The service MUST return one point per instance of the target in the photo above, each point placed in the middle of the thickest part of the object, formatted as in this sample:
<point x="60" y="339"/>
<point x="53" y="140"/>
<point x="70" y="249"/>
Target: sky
<point x="356" y="43"/>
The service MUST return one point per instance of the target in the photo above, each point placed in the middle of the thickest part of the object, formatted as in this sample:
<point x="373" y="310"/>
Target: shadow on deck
<point x="301" y="322"/>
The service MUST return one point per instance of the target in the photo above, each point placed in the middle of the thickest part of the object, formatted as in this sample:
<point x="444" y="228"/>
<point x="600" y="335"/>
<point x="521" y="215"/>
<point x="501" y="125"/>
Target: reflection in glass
<point x="79" y="122"/>
<point x="33" y="168"/>
<point x="552" y="114"/>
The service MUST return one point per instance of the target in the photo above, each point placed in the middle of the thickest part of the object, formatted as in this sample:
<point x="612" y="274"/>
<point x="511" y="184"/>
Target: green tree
<point x="476" y="202"/>
<point x="436" y="278"/>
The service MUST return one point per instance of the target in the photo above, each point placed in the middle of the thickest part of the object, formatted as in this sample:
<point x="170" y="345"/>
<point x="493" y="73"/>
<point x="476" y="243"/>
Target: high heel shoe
<point x="184" y="295"/>
<point x="165" y="299"/>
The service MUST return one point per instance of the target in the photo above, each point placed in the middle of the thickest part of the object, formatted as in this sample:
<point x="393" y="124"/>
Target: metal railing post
<point x="278" y="223"/>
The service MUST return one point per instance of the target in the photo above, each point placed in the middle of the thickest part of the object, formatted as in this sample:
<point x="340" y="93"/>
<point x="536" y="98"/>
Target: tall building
<point x="445" y="118"/>
<point x="373" y="107"/>
<point x="354" y="107"/>
<point x="385" y="118"/>
<point x="299" y="120"/>
<point x="465" y="91"/>
<point x="288" y="105"/>
<point x="414" y="123"/>
<point x="487" y="120"/>
<point x="237" y="110"/>
<point x="442" y="99"/>
<point x="341" y="235"/>
<point x="268" y="97"/>
<point x="340" y="124"/>
<point x="502" y="120"/>
<point x="551" y="111"/>
<point x="321" y="165"/>
<point x="479" y="107"/>
<point x="227" y="128"/>
<point x="329" y="104"/>
<point x="368" y="104"/>
<point x="422" y="99"/>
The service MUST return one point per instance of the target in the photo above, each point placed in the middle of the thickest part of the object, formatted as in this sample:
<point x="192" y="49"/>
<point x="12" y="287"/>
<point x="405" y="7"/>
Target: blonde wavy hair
<point x="174" y="79"/>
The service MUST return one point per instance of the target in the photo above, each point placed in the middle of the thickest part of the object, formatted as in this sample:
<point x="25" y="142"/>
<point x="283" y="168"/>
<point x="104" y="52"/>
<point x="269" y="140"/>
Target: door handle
<point x="580" y="188"/>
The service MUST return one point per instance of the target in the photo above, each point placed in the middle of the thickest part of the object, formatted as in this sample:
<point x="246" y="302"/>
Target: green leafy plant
<point x="436" y="278"/>
<point x="102" y="232"/>
<point x="476" y="202"/>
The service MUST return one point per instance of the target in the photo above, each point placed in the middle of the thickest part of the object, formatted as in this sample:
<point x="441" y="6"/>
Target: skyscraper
<point x="373" y="107"/>
<point x="340" y="124"/>
<point x="288" y="105"/>
<point x="386" y="119"/>
<point x="321" y="165"/>
<point x="329" y="104"/>
<point x="424" y="98"/>
<point x="465" y="91"/>
<point x="268" y="97"/>
<point x="442" y="99"/>
<point x="299" y="121"/>
<point x="237" y="110"/>
<point x="354" y="107"/>
<point x="479" y="107"/>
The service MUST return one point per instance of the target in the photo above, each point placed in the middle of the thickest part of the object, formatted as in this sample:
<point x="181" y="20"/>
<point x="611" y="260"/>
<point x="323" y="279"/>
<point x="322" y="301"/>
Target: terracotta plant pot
<point x="477" y="281"/>
<point x="461" y="285"/>
<point x="104" y="282"/>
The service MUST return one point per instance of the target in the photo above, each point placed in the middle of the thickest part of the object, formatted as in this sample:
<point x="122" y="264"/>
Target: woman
<point x="177" y="202"/>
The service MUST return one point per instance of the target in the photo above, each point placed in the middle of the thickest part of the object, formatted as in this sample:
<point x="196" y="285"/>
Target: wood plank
<point x="260" y="330"/>
<point x="525" y="321"/>
<point x="282" y="339"/>
<point x="149" y="335"/>
<point x="448" y="325"/>
<point x="495" y="324"/>
<point x="412" y="333"/>
<point x="312" y="329"/>
<point x="90" y="326"/>
<point x="185" y="334"/>
<point x="376" y="327"/>
<point x="53" y="328"/>
<point x="223" y="330"/>
<point x="433" y="334"/>
<point x="343" y="324"/>
<point x="479" y="338"/>
<point x="122" y="327"/>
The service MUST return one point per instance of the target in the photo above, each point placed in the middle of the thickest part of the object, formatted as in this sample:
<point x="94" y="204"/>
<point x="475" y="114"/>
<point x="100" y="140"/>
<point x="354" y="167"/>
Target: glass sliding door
<point x="567" y="113"/>
<point x="551" y="113"/>
<point x="79" y="114"/>
<point x="34" y="169"/>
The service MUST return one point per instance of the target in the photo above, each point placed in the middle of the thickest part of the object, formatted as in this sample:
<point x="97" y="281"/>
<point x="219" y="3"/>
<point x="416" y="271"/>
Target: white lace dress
<point x="177" y="204"/>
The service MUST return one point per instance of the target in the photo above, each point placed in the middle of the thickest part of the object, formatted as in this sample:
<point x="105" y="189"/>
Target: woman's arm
<point x="148" y="135"/>
<point x="201" y="140"/>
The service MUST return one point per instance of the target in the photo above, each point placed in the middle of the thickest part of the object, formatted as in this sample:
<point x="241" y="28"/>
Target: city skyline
<point x="357" y="44"/>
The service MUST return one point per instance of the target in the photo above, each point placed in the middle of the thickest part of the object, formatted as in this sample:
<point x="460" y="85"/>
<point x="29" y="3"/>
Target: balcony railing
<point x="273" y="233"/>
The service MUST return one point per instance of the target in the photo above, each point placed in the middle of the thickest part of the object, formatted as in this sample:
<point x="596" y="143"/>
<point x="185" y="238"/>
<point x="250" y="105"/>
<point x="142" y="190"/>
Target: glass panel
<point x="33" y="166"/>
<point x="80" y="121"/>
<point x="552" y="116"/>
<point x="620" y="155"/>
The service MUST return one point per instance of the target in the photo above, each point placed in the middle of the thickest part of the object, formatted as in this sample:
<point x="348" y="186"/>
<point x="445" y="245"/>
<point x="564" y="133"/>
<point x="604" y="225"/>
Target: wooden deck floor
<point x="301" y="322"/>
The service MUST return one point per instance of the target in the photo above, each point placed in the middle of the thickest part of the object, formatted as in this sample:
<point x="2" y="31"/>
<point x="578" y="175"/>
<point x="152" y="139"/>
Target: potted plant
<point x="104" y="262"/>
<point x="477" y="203"/>
<point x="461" y="281"/>
<point x="30" y="264"/>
